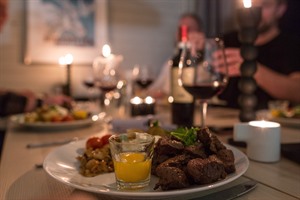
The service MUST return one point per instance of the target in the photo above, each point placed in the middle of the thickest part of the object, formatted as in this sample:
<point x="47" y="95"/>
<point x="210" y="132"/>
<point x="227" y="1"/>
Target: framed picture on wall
<point x="58" y="27"/>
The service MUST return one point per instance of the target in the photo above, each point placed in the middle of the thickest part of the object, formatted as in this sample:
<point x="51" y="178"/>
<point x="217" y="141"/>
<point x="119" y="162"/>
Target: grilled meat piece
<point x="227" y="157"/>
<point x="179" y="166"/>
<point x="196" y="151"/>
<point x="204" y="171"/>
<point x="172" y="178"/>
<point x="168" y="146"/>
<point x="165" y="148"/>
<point x="210" y="141"/>
<point x="172" y="174"/>
<point x="177" y="161"/>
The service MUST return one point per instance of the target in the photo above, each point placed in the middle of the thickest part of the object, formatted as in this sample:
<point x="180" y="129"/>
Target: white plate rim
<point x="242" y="164"/>
<point x="19" y="120"/>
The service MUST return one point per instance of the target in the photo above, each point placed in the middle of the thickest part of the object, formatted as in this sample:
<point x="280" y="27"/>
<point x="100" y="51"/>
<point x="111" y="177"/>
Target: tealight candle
<point x="150" y="105"/>
<point x="262" y="137"/>
<point x="141" y="106"/>
<point x="136" y="106"/>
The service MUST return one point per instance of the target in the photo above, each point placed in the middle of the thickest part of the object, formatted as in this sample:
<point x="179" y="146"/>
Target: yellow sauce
<point x="132" y="167"/>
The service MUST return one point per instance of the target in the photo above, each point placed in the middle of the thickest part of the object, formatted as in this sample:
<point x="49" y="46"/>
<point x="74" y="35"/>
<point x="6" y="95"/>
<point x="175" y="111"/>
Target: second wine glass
<point x="206" y="75"/>
<point x="143" y="79"/>
<point x="106" y="79"/>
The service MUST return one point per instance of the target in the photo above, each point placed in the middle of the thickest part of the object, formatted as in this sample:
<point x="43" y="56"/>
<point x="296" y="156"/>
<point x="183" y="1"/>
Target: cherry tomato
<point x="94" y="143"/>
<point x="56" y="119"/>
<point x="68" y="118"/>
<point x="105" y="138"/>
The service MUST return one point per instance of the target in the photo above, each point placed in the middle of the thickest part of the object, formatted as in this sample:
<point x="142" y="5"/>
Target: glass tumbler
<point x="132" y="156"/>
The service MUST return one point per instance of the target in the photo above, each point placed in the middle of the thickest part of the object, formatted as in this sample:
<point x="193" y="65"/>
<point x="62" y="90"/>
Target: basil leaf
<point x="187" y="136"/>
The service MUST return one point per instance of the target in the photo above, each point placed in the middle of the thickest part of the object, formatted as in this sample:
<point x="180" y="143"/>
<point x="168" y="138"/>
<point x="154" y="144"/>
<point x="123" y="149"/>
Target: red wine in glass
<point x="144" y="83"/>
<point x="89" y="84"/>
<point x="107" y="88"/>
<point x="205" y="91"/>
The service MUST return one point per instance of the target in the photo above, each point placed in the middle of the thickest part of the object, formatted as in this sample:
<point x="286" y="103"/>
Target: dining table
<point x="22" y="176"/>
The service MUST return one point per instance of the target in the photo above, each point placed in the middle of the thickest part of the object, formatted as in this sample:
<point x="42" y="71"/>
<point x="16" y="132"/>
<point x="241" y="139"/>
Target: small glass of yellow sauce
<point x="132" y="156"/>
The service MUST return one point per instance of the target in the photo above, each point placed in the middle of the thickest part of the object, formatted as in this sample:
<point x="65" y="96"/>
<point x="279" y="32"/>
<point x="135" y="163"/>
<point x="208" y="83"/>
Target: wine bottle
<point x="183" y="103"/>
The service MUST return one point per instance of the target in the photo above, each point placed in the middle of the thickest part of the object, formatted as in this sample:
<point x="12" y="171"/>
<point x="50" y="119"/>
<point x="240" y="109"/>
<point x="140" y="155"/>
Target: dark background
<point x="291" y="20"/>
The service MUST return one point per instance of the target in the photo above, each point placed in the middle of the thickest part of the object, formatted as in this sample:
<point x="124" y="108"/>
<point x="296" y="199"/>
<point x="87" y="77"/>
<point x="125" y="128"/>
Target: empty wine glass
<point x="106" y="79"/>
<point x="143" y="78"/>
<point x="89" y="83"/>
<point x="206" y="75"/>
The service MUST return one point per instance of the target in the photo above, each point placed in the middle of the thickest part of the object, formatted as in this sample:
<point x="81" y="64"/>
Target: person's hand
<point x="233" y="60"/>
<point x="31" y="99"/>
<point x="58" y="100"/>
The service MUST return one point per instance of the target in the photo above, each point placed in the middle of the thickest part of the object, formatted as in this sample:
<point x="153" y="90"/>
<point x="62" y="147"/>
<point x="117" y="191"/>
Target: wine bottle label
<point x="179" y="94"/>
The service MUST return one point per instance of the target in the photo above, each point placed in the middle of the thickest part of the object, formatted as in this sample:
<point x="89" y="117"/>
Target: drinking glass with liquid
<point x="132" y="156"/>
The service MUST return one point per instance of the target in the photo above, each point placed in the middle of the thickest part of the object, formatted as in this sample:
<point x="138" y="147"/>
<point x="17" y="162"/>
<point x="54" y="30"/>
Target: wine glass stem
<point x="203" y="107"/>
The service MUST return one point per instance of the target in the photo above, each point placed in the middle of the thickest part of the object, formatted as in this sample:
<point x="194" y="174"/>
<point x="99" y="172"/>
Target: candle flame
<point x="61" y="60"/>
<point x="66" y="60"/>
<point x="106" y="50"/>
<point x="136" y="100"/>
<point x="264" y="124"/>
<point x="69" y="59"/>
<point x="247" y="3"/>
<point x="149" y="100"/>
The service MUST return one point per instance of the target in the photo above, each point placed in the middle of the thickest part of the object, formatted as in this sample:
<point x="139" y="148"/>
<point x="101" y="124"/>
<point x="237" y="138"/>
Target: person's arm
<point x="278" y="85"/>
<point x="14" y="102"/>
<point x="11" y="103"/>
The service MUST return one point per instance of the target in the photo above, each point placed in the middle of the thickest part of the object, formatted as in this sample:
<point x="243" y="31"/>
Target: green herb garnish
<point x="187" y="136"/>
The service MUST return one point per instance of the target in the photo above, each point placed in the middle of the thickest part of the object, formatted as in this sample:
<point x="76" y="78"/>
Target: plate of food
<point x="55" y="117"/>
<point x="71" y="164"/>
<point x="286" y="117"/>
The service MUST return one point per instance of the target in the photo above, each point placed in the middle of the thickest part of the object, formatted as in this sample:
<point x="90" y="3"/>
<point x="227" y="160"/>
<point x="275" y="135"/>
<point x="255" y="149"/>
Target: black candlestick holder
<point x="67" y="90"/>
<point x="248" y="20"/>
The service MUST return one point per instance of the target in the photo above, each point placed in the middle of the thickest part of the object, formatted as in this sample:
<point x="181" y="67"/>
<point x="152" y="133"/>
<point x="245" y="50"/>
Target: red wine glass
<point x="106" y="79"/>
<point x="207" y="76"/>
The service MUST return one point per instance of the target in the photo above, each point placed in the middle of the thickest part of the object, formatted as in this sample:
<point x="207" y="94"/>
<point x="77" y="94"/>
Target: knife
<point x="230" y="193"/>
<point x="52" y="143"/>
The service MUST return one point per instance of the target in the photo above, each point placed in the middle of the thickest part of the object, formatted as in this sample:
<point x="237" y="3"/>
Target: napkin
<point x="139" y="122"/>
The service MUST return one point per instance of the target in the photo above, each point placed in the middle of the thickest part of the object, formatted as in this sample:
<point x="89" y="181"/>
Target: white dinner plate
<point x="291" y="122"/>
<point x="62" y="165"/>
<point x="19" y="120"/>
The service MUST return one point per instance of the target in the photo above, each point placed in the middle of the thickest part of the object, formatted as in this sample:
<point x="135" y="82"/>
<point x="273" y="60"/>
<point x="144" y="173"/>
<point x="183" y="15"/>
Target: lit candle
<point x="107" y="60"/>
<point x="110" y="59"/>
<point x="247" y="3"/>
<point x="249" y="16"/>
<point x="150" y="105"/>
<point x="248" y="20"/>
<point x="141" y="106"/>
<point x="263" y="139"/>
<point x="136" y="106"/>
<point x="67" y="61"/>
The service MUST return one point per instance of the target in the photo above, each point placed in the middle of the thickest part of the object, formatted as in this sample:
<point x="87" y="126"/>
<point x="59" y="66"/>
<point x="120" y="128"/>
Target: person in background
<point x="278" y="61"/>
<point x="161" y="87"/>
<point x="3" y="12"/>
<point x="14" y="102"/>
